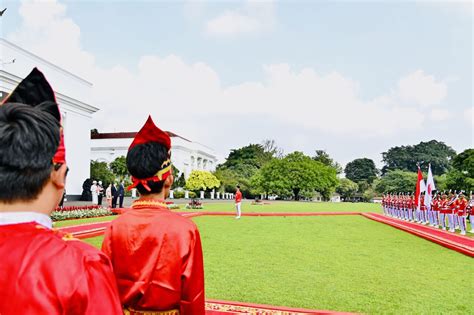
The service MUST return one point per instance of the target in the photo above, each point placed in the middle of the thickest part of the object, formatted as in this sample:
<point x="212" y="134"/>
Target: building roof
<point x="126" y="135"/>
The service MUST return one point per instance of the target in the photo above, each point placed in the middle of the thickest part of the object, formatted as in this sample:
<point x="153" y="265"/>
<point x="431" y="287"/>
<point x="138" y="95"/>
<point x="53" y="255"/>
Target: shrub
<point x="79" y="213"/>
<point x="178" y="194"/>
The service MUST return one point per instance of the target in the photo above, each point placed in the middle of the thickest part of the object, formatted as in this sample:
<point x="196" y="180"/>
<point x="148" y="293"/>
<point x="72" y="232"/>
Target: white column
<point x="171" y="194"/>
<point x="261" y="196"/>
<point x="202" y="194"/>
<point x="186" y="194"/>
<point x="212" y="194"/>
<point x="134" y="193"/>
<point x="218" y="195"/>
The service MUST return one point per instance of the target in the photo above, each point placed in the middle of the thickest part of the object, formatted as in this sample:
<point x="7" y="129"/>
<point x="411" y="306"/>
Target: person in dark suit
<point x="121" y="194"/>
<point x="114" y="196"/>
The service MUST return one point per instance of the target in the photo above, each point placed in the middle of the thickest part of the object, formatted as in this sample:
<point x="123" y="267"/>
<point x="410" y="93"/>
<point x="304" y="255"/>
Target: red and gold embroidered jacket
<point x="157" y="259"/>
<point x="45" y="272"/>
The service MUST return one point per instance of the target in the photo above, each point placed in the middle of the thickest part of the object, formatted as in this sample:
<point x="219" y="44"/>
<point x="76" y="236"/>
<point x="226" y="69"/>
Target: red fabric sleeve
<point x="192" y="289"/>
<point x="97" y="288"/>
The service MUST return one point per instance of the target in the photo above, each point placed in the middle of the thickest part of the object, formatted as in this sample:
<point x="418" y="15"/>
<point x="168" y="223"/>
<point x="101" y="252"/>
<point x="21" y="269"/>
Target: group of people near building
<point x="448" y="211"/>
<point x="113" y="193"/>
<point x="151" y="259"/>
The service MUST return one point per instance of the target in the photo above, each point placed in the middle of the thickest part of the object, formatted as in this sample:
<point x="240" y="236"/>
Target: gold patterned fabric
<point x="131" y="311"/>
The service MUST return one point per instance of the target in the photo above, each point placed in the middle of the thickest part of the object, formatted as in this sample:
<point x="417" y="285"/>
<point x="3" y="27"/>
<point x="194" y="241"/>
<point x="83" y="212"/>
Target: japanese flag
<point x="430" y="187"/>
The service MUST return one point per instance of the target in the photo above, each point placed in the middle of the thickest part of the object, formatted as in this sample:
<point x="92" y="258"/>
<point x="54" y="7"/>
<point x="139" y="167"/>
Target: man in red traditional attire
<point x="42" y="271"/>
<point x="156" y="253"/>
<point x="461" y="209"/>
<point x="238" y="202"/>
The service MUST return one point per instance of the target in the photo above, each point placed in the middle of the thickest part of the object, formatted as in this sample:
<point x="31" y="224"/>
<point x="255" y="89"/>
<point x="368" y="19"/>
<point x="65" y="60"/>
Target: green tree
<point x="361" y="170"/>
<point x="228" y="178"/>
<point x="296" y="173"/>
<point x="243" y="163"/>
<point x="101" y="171"/>
<point x="201" y="180"/>
<point x="461" y="177"/>
<point x="323" y="157"/>
<point x="405" y="157"/>
<point x="397" y="181"/>
<point x="119" y="167"/>
<point x="180" y="182"/>
<point x="175" y="171"/>
<point x="253" y="155"/>
<point x="346" y="188"/>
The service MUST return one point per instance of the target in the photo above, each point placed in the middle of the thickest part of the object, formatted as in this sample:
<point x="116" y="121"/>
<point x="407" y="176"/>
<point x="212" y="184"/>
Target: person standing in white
<point x="238" y="202"/>
<point x="94" y="192"/>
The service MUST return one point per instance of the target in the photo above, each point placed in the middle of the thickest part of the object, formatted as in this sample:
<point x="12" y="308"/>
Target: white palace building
<point x="186" y="155"/>
<point x="74" y="95"/>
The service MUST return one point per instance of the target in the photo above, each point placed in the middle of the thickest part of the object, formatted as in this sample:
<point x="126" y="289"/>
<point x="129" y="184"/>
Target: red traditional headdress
<point x="151" y="133"/>
<point x="35" y="91"/>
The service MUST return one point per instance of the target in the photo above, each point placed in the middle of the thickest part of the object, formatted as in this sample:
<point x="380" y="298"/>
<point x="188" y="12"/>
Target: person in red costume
<point x="238" y="202"/>
<point x="42" y="271"/>
<point x="461" y="208"/>
<point x="156" y="253"/>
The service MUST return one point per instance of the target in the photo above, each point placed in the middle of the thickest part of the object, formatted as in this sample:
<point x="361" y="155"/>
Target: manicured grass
<point x="83" y="221"/>
<point x="291" y="206"/>
<point x="95" y="241"/>
<point x="336" y="263"/>
<point x="346" y="263"/>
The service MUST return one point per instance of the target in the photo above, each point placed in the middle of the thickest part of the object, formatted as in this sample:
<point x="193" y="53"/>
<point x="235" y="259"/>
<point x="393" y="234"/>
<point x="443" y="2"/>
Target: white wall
<point x="182" y="153"/>
<point x="73" y="95"/>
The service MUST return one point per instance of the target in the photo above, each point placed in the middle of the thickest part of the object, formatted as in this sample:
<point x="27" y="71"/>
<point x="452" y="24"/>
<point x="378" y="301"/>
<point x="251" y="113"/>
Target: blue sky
<point x="264" y="64"/>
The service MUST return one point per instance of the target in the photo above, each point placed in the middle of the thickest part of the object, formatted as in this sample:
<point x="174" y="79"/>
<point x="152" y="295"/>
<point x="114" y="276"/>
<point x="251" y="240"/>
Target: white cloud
<point x="469" y="116"/>
<point x="48" y="32"/>
<point x="254" y="17"/>
<point x="439" y="115"/>
<point x="187" y="97"/>
<point x="419" y="88"/>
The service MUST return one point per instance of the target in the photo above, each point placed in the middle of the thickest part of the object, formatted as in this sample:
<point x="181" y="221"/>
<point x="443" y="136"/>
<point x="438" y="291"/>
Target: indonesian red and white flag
<point x="430" y="187"/>
<point x="420" y="187"/>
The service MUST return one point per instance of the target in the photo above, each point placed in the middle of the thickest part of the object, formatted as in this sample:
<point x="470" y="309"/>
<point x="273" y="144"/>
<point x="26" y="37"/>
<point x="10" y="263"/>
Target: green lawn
<point x="291" y="206"/>
<point x="339" y="263"/>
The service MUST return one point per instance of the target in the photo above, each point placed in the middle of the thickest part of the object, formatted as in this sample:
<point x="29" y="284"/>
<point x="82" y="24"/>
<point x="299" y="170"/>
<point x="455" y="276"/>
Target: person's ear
<point x="58" y="177"/>
<point x="169" y="180"/>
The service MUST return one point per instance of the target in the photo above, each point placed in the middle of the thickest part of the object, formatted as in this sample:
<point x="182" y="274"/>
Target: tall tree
<point x="462" y="174"/>
<point x="323" y="157"/>
<point x="296" y="173"/>
<point x="270" y="148"/>
<point x="361" y="170"/>
<point x="405" y="157"/>
<point x="397" y="181"/>
<point x="346" y="188"/>
<point x="101" y="171"/>
<point x="119" y="167"/>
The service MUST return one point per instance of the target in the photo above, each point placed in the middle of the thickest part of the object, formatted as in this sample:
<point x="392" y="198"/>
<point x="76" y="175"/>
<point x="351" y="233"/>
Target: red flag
<point x="420" y="187"/>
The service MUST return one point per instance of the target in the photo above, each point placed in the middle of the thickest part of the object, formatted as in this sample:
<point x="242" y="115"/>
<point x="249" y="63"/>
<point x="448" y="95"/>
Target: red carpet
<point x="459" y="243"/>
<point x="218" y="307"/>
<point x="86" y="230"/>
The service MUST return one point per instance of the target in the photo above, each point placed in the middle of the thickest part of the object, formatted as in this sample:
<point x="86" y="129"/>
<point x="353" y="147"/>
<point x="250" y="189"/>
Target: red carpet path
<point x="459" y="243"/>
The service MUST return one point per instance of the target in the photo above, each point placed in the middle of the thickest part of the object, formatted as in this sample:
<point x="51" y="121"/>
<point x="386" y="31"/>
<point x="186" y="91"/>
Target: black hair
<point x="29" y="138"/>
<point x="238" y="186"/>
<point x="145" y="160"/>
